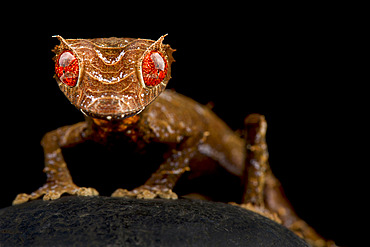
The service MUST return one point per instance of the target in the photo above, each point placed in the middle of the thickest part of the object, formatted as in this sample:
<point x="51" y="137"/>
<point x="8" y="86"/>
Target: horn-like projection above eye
<point x="67" y="68"/>
<point x="154" y="68"/>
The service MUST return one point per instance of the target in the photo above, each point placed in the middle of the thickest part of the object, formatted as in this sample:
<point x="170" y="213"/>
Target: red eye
<point x="154" y="68"/>
<point x="66" y="68"/>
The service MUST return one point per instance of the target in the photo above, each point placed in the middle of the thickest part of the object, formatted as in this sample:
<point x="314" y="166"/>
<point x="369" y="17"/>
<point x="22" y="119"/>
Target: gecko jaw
<point x="112" y="117"/>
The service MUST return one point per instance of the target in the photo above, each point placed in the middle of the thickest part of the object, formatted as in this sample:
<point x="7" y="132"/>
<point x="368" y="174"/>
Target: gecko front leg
<point x="161" y="183"/>
<point x="59" y="180"/>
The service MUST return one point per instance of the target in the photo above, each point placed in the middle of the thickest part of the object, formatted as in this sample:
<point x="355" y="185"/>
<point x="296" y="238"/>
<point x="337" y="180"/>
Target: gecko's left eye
<point x="67" y="68"/>
<point x="154" y="68"/>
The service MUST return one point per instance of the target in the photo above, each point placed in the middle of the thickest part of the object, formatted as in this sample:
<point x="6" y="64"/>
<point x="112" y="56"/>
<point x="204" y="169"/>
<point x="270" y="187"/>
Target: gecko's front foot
<point x="53" y="191"/>
<point x="146" y="192"/>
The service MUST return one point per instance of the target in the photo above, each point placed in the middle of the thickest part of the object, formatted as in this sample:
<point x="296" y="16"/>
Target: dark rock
<point x="105" y="221"/>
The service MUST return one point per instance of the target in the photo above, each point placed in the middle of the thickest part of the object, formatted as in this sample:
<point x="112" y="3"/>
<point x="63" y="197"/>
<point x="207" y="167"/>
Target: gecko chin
<point x="111" y="116"/>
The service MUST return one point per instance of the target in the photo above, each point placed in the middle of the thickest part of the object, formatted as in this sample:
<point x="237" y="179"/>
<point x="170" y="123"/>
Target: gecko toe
<point x="87" y="192"/>
<point x="21" y="198"/>
<point x="137" y="193"/>
<point x="51" y="195"/>
<point x="121" y="193"/>
<point x="167" y="195"/>
<point x="146" y="194"/>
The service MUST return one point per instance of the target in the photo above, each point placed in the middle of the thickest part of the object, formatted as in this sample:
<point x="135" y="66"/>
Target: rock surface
<point x="106" y="221"/>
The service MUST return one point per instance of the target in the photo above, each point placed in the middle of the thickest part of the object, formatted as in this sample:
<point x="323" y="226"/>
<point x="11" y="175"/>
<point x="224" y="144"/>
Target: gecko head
<point x="112" y="78"/>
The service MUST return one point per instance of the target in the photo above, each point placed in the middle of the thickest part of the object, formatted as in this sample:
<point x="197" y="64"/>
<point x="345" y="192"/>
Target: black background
<point x="292" y="67"/>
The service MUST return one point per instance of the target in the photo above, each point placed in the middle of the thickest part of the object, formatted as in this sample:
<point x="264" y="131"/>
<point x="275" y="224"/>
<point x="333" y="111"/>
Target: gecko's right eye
<point x="67" y="68"/>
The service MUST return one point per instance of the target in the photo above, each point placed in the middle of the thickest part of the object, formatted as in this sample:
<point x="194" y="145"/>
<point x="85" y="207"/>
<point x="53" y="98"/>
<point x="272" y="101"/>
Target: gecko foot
<point x="53" y="191"/>
<point x="146" y="192"/>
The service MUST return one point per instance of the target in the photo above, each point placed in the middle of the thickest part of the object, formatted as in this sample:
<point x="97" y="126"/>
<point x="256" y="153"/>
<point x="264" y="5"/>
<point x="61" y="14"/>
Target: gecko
<point x="119" y="84"/>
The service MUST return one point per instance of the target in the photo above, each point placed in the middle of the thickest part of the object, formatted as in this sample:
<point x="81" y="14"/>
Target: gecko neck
<point x="116" y="125"/>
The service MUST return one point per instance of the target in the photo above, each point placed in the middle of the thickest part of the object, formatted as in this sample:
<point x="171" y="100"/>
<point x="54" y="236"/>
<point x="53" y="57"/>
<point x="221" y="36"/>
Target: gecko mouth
<point x="116" y="116"/>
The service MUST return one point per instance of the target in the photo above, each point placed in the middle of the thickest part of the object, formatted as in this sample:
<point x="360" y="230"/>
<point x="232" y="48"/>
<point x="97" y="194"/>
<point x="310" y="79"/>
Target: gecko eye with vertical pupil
<point x="154" y="68"/>
<point x="67" y="69"/>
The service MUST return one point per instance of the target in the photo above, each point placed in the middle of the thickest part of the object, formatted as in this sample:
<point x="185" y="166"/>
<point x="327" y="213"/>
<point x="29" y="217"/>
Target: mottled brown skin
<point x="112" y="94"/>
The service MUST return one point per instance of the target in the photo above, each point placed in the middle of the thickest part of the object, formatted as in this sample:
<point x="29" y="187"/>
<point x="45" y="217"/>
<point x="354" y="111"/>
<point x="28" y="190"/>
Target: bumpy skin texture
<point x="118" y="83"/>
